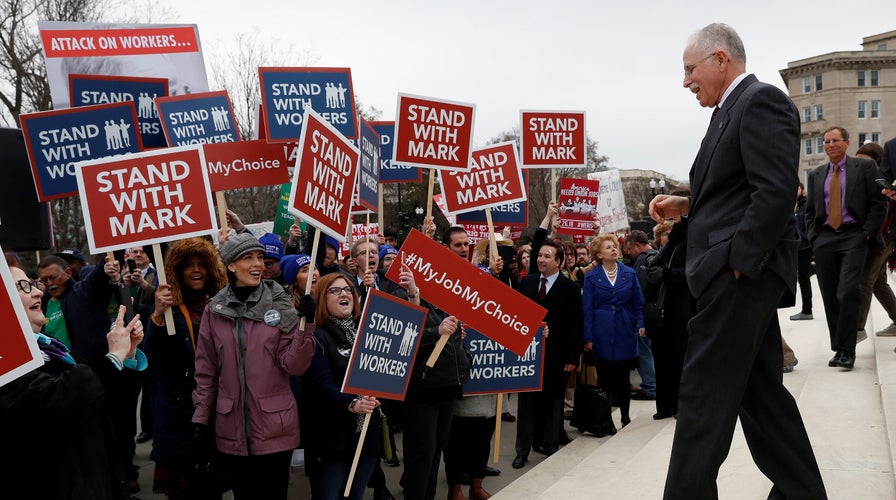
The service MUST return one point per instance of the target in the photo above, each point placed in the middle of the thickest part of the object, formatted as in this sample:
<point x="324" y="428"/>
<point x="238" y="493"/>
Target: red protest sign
<point x="451" y="283"/>
<point x="578" y="206"/>
<point x="234" y="165"/>
<point x="494" y="179"/>
<point x="433" y="133"/>
<point x="19" y="353"/>
<point x="325" y="177"/>
<point x="145" y="198"/>
<point x="553" y="139"/>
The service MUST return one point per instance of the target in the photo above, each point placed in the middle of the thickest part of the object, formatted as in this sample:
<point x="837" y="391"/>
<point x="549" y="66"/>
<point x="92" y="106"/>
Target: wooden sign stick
<point x="500" y="410"/>
<point x="351" y="472"/>
<point x="160" y="273"/>
<point x="314" y="246"/>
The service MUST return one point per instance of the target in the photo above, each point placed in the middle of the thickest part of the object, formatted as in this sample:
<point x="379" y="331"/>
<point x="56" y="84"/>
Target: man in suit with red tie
<point x="540" y="414"/>
<point x="844" y="215"/>
<point x="741" y="257"/>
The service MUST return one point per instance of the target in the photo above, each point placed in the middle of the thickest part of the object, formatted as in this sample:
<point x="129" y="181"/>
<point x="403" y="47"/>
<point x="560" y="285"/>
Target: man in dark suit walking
<point x="843" y="218"/>
<point x="741" y="257"/>
<point x="540" y="414"/>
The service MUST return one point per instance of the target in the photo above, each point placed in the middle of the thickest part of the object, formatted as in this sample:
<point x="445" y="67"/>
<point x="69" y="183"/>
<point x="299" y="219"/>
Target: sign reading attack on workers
<point x="58" y="139"/>
<point x="383" y="354"/>
<point x="496" y="369"/>
<point x="286" y="92"/>
<point x="104" y="89"/>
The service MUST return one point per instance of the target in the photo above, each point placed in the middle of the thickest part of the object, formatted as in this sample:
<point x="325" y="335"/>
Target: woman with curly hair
<point x="195" y="273"/>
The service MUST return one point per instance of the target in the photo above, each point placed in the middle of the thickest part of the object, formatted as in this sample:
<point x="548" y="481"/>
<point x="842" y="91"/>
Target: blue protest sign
<point x="496" y="369"/>
<point x="103" y="89"/>
<point x="369" y="173"/>
<point x="58" y="139"/>
<point x="387" y="341"/>
<point x="202" y="118"/>
<point x="285" y="92"/>
<point x="390" y="172"/>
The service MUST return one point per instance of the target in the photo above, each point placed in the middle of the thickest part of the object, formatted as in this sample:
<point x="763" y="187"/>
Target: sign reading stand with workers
<point x="391" y="172"/>
<point x="204" y="118"/>
<point x="433" y="133"/>
<point x="87" y="90"/>
<point x="383" y="354"/>
<point x="325" y="177"/>
<point x="553" y="139"/>
<point x="286" y="92"/>
<point x="19" y="353"/>
<point x="449" y="282"/>
<point x="58" y="139"/>
<point x="495" y="369"/>
<point x="494" y="179"/>
<point x="146" y="198"/>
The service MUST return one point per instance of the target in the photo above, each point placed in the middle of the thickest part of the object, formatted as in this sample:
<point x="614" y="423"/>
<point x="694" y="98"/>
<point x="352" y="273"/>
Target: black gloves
<point x="307" y="308"/>
<point x="203" y="444"/>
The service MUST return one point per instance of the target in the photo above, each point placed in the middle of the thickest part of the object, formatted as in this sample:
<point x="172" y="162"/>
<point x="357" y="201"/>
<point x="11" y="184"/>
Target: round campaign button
<point x="272" y="318"/>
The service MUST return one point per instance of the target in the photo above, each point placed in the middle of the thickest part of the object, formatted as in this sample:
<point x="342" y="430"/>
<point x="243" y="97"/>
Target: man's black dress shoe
<point x="642" y="396"/>
<point x="538" y="449"/>
<point x="143" y="437"/>
<point x="549" y="450"/>
<point x="847" y="360"/>
<point x="660" y="415"/>
<point x="835" y="361"/>
<point x="519" y="462"/>
<point x="491" y="471"/>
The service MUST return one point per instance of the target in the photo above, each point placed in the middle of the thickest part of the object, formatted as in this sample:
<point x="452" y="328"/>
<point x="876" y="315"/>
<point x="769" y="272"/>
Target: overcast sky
<point x="618" y="61"/>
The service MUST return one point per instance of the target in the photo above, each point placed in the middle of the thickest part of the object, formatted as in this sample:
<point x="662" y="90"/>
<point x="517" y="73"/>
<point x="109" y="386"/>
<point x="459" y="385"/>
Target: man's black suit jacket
<point x="863" y="199"/>
<point x="743" y="185"/>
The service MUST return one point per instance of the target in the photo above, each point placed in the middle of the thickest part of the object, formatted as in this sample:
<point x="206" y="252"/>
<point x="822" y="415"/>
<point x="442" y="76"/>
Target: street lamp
<point x="654" y="185"/>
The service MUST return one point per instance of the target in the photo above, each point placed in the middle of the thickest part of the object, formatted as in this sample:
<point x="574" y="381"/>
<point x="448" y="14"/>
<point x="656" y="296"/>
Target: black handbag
<point x="591" y="410"/>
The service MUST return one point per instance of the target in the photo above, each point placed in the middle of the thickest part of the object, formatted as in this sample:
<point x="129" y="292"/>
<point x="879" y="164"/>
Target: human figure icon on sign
<point x="113" y="135"/>
<point x="530" y="351"/>
<point x="123" y="133"/>
<point x="407" y="340"/>
<point x="341" y="90"/>
<point x="332" y="98"/>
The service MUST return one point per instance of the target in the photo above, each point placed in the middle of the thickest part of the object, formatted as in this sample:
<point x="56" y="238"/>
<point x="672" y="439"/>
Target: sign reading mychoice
<point x="384" y="350"/>
<point x="104" y="89"/>
<point x="198" y="118"/>
<point x="391" y="172"/>
<point x="286" y="92"/>
<point x="57" y="139"/>
<point x="496" y="369"/>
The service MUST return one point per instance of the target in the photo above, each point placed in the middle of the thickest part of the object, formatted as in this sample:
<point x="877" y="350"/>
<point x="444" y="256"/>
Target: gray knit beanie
<point x="238" y="245"/>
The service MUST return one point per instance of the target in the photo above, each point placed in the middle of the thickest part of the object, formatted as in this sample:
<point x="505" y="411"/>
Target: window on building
<point x="875" y="137"/>
<point x="807" y="147"/>
<point x="807" y="85"/>
<point x="819" y="144"/>
<point x="819" y="112"/>
<point x="862" y="105"/>
<point x="875" y="77"/>
<point x="818" y="83"/>
<point x="860" y="78"/>
<point x="862" y="137"/>
<point x="875" y="109"/>
<point x="807" y="114"/>
<point x="882" y="46"/>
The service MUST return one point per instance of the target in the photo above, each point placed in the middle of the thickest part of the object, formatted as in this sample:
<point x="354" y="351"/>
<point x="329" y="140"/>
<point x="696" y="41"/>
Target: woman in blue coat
<point x="612" y="303"/>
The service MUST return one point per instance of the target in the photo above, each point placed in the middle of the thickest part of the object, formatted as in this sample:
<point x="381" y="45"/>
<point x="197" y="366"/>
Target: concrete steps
<point x="850" y="418"/>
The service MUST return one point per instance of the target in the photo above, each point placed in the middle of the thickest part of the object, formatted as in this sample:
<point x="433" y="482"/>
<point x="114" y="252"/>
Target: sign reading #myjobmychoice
<point x="384" y="350"/>
<point x="286" y="92"/>
<point x="496" y="369"/>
